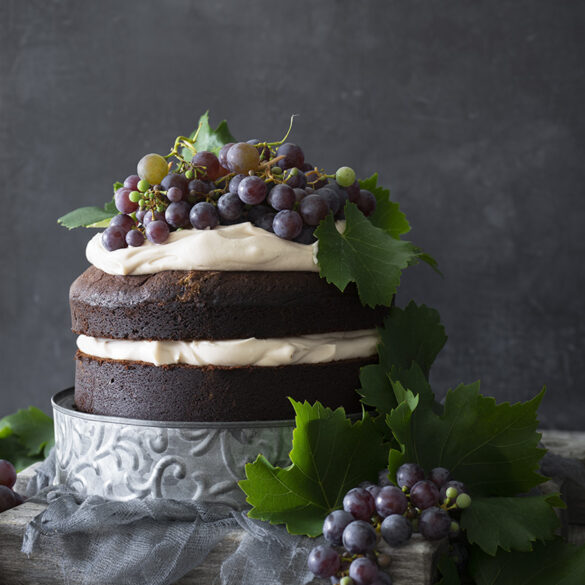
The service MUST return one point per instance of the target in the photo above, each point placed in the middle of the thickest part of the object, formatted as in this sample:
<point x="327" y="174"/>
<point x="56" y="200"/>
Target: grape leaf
<point x="363" y="254"/>
<point x="86" y="217"/>
<point x="387" y="214"/>
<point x="448" y="570"/>
<point x="510" y="523"/>
<point x="491" y="448"/>
<point x="209" y="139"/>
<point x="330" y="455"/>
<point x="550" y="563"/>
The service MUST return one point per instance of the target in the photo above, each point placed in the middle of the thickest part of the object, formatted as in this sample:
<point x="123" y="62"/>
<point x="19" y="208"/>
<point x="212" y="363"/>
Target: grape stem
<point x="286" y="135"/>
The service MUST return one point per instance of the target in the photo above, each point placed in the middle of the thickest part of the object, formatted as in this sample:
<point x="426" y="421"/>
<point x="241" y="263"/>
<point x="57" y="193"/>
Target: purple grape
<point x="391" y="500"/>
<point x="434" y="523"/>
<point x="408" y="474"/>
<point x="177" y="214"/>
<point x="266" y="221"/>
<point x="307" y="235"/>
<point x="331" y="198"/>
<point x="353" y="192"/>
<point x="300" y="194"/>
<point x="157" y="231"/>
<point x="122" y="201"/>
<point x="366" y="202"/>
<point x="252" y="190"/>
<point x="209" y="162"/>
<point x="123" y="221"/>
<point x="114" y="238"/>
<point x="440" y="476"/>
<point x="313" y="209"/>
<point x="7" y="473"/>
<point x="235" y="183"/>
<point x="451" y="483"/>
<point x="307" y="167"/>
<point x="174" y="180"/>
<point x="204" y="215"/>
<point x="135" y="238"/>
<point x="287" y="224"/>
<point x="323" y="561"/>
<point x="8" y="499"/>
<point x="197" y="187"/>
<point x="396" y="529"/>
<point x="148" y="217"/>
<point x="230" y="207"/>
<point x="258" y="211"/>
<point x="359" y="537"/>
<point x="363" y="571"/>
<point x="383" y="478"/>
<point x="242" y="158"/>
<point x="334" y="525"/>
<point x="424" y="494"/>
<point x="295" y="178"/>
<point x="175" y="194"/>
<point x="222" y="155"/>
<point x="263" y="150"/>
<point x="293" y="156"/>
<point x="140" y="215"/>
<point x="373" y="489"/>
<point x="131" y="182"/>
<point x="281" y="197"/>
<point x="360" y="503"/>
<point x="343" y="199"/>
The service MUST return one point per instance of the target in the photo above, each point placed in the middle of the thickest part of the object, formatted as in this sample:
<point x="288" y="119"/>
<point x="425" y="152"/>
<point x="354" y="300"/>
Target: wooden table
<point x="412" y="564"/>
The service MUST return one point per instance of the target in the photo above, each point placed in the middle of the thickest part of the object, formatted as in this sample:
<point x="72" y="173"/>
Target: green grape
<point x="345" y="176"/>
<point x="463" y="501"/>
<point x="143" y="185"/>
<point x="135" y="196"/>
<point x="152" y="168"/>
<point x="451" y="493"/>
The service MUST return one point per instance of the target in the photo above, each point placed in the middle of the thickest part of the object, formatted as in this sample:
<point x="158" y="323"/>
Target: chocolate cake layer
<point x="191" y="305"/>
<point x="211" y="393"/>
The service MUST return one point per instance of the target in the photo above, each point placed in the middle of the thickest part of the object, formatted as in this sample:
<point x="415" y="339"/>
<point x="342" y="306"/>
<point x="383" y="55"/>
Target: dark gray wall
<point x="472" y="112"/>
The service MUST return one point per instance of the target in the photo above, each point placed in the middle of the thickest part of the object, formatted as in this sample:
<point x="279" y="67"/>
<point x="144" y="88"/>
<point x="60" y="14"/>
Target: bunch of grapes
<point x="268" y="184"/>
<point x="391" y="513"/>
<point x="8" y="498"/>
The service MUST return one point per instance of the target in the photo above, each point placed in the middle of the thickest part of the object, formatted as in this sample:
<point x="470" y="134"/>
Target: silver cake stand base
<point x="124" y="459"/>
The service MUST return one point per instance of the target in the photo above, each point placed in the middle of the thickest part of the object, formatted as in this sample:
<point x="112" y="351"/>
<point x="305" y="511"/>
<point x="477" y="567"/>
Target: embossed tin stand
<point x="123" y="459"/>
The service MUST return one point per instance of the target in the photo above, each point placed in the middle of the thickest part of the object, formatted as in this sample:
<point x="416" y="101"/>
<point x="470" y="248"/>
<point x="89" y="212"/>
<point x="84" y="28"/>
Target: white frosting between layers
<point x="232" y="247"/>
<point x="304" y="349"/>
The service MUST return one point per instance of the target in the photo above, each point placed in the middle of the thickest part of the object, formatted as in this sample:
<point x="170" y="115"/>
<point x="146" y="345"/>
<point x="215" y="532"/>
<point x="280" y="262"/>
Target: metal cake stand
<point x="124" y="459"/>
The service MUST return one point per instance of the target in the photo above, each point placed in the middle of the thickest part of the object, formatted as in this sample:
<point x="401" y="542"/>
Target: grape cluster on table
<point x="8" y="497"/>
<point x="392" y="513"/>
<point x="269" y="185"/>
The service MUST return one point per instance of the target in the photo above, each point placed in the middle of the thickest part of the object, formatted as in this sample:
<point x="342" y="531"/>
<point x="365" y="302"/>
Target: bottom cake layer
<point x="211" y="393"/>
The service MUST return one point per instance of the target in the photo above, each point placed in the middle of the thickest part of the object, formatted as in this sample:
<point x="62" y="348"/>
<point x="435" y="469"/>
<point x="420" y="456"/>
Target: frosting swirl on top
<point x="242" y="246"/>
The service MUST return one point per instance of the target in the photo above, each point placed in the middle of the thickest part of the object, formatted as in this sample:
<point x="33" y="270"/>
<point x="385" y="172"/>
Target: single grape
<point x="293" y="156"/>
<point x="463" y="501"/>
<point x="252" y="190"/>
<point x="374" y="490"/>
<point x="175" y="194"/>
<point x="295" y="178"/>
<point x="313" y="209"/>
<point x="266" y="221"/>
<point x="143" y="186"/>
<point x="152" y="168"/>
<point x="434" y="523"/>
<point x="323" y="561"/>
<point x="396" y="529"/>
<point x="230" y="207"/>
<point x="204" y="215"/>
<point x="440" y="476"/>
<point x="391" y="500"/>
<point x="7" y="473"/>
<point x="198" y="187"/>
<point x="222" y="154"/>
<point x="408" y="474"/>
<point x="334" y="525"/>
<point x="140" y="215"/>
<point x="176" y="180"/>
<point x="114" y="238"/>
<point x="7" y="498"/>
<point x="242" y="158"/>
<point x="353" y="192"/>
<point x="157" y="231"/>
<point x="177" y="214"/>
<point x="360" y="503"/>
<point x="281" y="197"/>
<point x="300" y="194"/>
<point x="235" y="183"/>
<point x="452" y="483"/>
<point x="345" y="176"/>
<point x="331" y="198"/>
<point x="424" y="494"/>
<point x="131" y="182"/>
<point x="123" y="221"/>
<point x="135" y="238"/>
<point x="135" y="196"/>
<point x="287" y="224"/>
<point x="122" y="201"/>
<point x="209" y="162"/>
<point x="383" y="478"/>
<point x="307" y="235"/>
<point x="366" y="202"/>
<point x="359" y="537"/>
<point x="363" y="571"/>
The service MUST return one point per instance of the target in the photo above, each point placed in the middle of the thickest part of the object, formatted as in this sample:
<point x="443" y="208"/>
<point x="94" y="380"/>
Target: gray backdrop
<point x="472" y="113"/>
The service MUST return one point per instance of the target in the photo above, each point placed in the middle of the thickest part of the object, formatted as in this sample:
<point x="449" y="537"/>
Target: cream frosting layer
<point x="235" y="247"/>
<point x="304" y="349"/>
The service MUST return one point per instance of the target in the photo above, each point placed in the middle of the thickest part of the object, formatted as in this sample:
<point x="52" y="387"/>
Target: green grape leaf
<point x="330" y="455"/>
<point x="387" y="215"/>
<point x="492" y="448"/>
<point x="363" y="254"/>
<point x="448" y="570"/>
<point x="208" y="138"/>
<point x="549" y="563"/>
<point x="510" y="523"/>
<point x="92" y="216"/>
